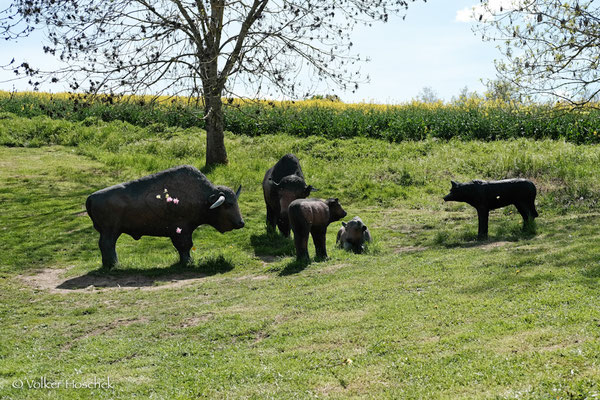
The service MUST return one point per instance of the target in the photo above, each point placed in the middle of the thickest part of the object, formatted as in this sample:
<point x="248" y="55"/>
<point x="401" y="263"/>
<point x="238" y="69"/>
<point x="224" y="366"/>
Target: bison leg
<point x="348" y="246"/>
<point x="107" y="245"/>
<point x="358" y="249"/>
<point x="301" y="243"/>
<point x="319" y="236"/>
<point x="183" y="243"/>
<point x="483" y="216"/>
<point x="271" y="219"/>
<point x="338" y="239"/>
<point x="284" y="226"/>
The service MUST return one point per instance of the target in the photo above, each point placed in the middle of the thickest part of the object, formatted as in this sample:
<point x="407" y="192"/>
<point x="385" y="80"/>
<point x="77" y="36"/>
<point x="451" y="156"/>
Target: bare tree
<point x="551" y="48"/>
<point x="198" y="48"/>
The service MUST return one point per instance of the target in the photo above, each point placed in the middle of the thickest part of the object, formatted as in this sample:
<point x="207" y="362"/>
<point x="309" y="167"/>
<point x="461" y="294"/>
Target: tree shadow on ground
<point x="509" y="281"/>
<point x="590" y="275"/>
<point x="207" y="169"/>
<point x="137" y="278"/>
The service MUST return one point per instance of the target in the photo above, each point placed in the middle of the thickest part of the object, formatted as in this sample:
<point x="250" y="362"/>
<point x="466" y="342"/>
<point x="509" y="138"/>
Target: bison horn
<point x="272" y="182"/>
<point x="237" y="193"/>
<point x="219" y="201"/>
<point x="454" y="184"/>
<point x="313" y="189"/>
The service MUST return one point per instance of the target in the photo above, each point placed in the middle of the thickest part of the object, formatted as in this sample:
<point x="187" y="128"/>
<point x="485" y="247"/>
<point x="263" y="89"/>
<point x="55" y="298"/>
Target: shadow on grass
<point x="207" y="169"/>
<point x="105" y="278"/>
<point x="294" y="267"/>
<point x="590" y="273"/>
<point x="272" y="244"/>
<point x="590" y="276"/>
<point x="507" y="282"/>
<point x="467" y="238"/>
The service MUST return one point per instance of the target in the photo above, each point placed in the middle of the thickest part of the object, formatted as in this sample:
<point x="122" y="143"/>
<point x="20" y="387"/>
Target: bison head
<point x="336" y="212"/>
<point x="355" y="229"/>
<point x="290" y="188"/>
<point x="224" y="213"/>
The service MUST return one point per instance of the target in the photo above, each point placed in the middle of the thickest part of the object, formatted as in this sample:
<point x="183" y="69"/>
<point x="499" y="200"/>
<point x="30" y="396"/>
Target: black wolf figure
<point x="486" y="196"/>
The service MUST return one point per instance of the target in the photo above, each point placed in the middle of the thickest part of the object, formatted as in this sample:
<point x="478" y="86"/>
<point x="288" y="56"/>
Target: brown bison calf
<point x="353" y="235"/>
<point x="313" y="216"/>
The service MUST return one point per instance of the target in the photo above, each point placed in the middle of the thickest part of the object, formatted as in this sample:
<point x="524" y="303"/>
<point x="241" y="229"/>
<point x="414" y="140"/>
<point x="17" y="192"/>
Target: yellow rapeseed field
<point x="471" y="102"/>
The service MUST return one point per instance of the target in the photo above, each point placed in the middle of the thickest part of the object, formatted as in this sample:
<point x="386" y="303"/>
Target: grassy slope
<point x="428" y="313"/>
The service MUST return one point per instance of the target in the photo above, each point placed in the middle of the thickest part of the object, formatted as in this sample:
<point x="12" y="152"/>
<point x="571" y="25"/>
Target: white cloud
<point x="477" y="11"/>
<point x="466" y="14"/>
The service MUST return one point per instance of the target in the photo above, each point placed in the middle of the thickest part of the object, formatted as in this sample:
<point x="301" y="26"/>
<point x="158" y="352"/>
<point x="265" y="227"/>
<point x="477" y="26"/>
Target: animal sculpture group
<point x="174" y="202"/>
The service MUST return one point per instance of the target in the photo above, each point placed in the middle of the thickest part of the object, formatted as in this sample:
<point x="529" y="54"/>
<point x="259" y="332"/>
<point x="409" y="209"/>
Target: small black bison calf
<point x="353" y="235"/>
<point x="313" y="216"/>
<point x="486" y="196"/>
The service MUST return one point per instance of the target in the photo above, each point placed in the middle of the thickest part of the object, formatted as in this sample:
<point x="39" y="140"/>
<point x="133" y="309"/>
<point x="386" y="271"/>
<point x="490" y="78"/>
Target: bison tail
<point x="88" y="208"/>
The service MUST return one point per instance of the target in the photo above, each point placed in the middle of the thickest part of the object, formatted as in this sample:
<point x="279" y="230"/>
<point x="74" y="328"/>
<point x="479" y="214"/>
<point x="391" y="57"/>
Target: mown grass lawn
<point x="428" y="312"/>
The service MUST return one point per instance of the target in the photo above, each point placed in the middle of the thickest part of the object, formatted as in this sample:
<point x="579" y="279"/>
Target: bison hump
<point x="172" y="202"/>
<point x="287" y="165"/>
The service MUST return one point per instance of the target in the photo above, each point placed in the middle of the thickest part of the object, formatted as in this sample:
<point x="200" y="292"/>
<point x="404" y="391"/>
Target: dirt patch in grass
<point x="197" y="320"/>
<point x="540" y="340"/>
<point x="484" y="245"/>
<point x="407" y="249"/>
<point x="342" y="387"/>
<point x="103" y="329"/>
<point x="252" y="277"/>
<point x="493" y="245"/>
<point x="331" y="268"/>
<point x="268" y="259"/>
<point x="45" y="279"/>
<point x="52" y="280"/>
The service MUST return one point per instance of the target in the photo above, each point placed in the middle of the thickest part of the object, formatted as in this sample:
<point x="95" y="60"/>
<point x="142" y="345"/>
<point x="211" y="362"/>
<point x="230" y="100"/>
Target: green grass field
<point x="428" y="312"/>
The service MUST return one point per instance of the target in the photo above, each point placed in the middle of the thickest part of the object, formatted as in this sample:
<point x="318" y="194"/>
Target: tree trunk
<point x="215" y="140"/>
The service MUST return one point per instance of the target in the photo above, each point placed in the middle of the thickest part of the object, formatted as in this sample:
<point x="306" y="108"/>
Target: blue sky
<point x="431" y="47"/>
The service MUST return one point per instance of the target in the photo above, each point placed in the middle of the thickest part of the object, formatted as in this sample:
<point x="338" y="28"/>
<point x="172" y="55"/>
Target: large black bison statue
<point x="282" y="184"/>
<point x="170" y="203"/>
